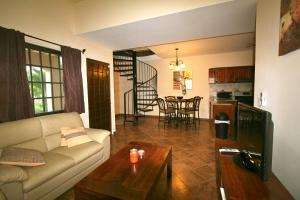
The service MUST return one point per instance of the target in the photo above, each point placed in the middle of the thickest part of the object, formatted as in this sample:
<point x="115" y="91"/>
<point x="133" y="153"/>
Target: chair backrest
<point x="171" y="104"/>
<point x="190" y="104"/>
<point x="197" y="100"/>
<point x="161" y="104"/>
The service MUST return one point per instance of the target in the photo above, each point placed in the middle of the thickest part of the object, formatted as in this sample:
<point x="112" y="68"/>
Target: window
<point x="45" y="76"/>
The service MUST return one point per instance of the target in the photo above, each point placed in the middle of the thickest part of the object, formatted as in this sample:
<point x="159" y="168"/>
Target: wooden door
<point x="98" y="78"/>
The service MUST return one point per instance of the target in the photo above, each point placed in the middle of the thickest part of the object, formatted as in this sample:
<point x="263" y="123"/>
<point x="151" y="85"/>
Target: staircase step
<point x="146" y="99"/>
<point x="144" y="90"/>
<point x="123" y="70"/>
<point x="146" y="109"/>
<point x="121" y="59"/>
<point x="144" y="86"/>
<point x="122" y="66"/>
<point x="126" y="74"/>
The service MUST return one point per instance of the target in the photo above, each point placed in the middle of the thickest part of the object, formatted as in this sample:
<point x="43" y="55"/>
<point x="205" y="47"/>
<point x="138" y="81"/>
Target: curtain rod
<point x="82" y="51"/>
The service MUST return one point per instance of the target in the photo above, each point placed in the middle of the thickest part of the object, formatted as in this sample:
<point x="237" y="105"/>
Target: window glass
<point x="45" y="59"/>
<point x="35" y="57"/>
<point x="45" y="73"/>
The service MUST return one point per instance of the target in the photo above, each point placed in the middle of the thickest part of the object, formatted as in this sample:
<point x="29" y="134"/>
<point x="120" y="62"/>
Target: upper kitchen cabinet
<point x="231" y="74"/>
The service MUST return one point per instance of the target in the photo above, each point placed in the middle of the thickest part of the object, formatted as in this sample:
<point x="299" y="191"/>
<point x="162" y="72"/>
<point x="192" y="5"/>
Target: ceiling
<point x="220" y="44"/>
<point x="228" y="19"/>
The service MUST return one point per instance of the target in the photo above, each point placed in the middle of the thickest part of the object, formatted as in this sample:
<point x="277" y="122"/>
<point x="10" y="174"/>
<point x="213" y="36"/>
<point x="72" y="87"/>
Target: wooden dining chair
<point x="188" y="111"/>
<point x="197" y="102"/>
<point x="167" y="112"/>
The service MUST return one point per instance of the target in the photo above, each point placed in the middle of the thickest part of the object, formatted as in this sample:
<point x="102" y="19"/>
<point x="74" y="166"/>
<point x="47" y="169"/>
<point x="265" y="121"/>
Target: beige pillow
<point x="21" y="157"/>
<point x="72" y="137"/>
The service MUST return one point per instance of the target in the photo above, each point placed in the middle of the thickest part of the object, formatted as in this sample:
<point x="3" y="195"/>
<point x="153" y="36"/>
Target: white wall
<point x="199" y="66"/>
<point x="112" y="13"/>
<point x="278" y="77"/>
<point x="54" y="21"/>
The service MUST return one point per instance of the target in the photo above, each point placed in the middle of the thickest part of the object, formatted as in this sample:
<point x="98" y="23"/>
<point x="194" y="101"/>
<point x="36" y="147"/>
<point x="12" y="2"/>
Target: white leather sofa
<point x="64" y="166"/>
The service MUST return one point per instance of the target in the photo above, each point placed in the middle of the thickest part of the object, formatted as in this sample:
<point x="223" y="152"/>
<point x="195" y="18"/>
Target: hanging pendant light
<point x="176" y="65"/>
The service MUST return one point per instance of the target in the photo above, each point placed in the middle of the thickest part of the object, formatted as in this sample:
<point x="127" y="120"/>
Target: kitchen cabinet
<point x="231" y="74"/>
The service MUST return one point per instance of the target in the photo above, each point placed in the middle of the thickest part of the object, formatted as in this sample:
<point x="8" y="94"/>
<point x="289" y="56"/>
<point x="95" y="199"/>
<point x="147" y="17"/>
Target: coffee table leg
<point x="169" y="165"/>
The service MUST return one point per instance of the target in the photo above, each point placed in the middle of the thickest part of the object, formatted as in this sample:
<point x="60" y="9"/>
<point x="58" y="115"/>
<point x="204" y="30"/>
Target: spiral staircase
<point x="142" y="96"/>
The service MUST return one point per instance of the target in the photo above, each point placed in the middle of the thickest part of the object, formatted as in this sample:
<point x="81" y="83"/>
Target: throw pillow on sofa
<point x="21" y="157"/>
<point x="73" y="137"/>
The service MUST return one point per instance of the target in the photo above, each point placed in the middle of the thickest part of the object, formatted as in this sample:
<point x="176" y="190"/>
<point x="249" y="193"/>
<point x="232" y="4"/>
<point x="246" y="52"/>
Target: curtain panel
<point x="15" y="99"/>
<point x="73" y="88"/>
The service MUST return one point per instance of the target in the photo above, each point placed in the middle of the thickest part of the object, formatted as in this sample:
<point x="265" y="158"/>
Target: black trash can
<point x="221" y="124"/>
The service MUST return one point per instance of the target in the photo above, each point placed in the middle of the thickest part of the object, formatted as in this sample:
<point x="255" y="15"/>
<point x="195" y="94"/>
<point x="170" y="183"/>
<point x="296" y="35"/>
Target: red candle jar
<point x="134" y="156"/>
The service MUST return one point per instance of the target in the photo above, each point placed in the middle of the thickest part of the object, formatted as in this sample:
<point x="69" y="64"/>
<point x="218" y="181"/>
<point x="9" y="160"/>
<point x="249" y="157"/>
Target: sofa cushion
<point x="73" y="137"/>
<point x="97" y="135"/>
<point x="80" y="152"/>
<point x="9" y="173"/>
<point x="51" y="125"/>
<point x="55" y="164"/>
<point x="20" y="131"/>
<point x="21" y="157"/>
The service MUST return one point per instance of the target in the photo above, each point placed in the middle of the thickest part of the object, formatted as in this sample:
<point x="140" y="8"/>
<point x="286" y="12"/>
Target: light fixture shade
<point x="176" y="65"/>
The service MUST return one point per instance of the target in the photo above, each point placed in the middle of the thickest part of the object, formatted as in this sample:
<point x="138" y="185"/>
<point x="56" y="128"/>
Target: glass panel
<point x="47" y="90"/>
<point x="38" y="106"/>
<point x="61" y="63"/>
<point x="62" y="90"/>
<point x="28" y="73"/>
<point x="45" y="59"/>
<point x="63" y="103"/>
<point x="47" y="74"/>
<point x="30" y="89"/>
<point x="36" y="74"/>
<point x="35" y="57"/>
<point x="56" y="90"/>
<point x="62" y="75"/>
<point x="27" y="56"/>
<point x="37" y="90"/>
<point x="57" y="104"/>
<point x="55" y="75"/>
<point x="48" y="105"/>
<point x="54" y="60"/>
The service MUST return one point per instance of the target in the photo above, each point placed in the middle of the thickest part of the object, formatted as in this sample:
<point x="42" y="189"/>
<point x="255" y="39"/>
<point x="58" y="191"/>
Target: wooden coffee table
<point x="117" y="178"/>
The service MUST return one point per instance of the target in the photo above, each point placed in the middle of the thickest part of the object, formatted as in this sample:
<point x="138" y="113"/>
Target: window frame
<point x="43" y="82"/>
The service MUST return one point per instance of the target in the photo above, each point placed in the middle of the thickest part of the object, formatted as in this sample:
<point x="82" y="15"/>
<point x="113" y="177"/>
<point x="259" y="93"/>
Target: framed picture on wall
<point x="289" y="39"/>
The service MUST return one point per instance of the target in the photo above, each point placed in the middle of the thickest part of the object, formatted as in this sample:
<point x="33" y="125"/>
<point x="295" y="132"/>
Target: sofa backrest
<point x="39" y="133"/>
<point x="26" y="133"/>
<point x="51" y="125"/>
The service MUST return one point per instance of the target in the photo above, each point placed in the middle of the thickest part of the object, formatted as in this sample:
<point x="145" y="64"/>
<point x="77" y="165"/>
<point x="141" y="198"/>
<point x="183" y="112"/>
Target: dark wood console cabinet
<point x="239" y="183"/>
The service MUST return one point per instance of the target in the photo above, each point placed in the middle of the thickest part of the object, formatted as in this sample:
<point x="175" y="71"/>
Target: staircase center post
<point x="134" y="82"/>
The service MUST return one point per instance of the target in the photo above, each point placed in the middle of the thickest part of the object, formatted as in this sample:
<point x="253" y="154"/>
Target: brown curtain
<point x="72" y="80"/>
<point x="15" y="99"/>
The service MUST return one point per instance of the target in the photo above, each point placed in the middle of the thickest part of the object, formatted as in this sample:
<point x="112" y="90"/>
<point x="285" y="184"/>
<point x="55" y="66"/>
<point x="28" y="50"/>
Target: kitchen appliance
<point x="244" y="97"/>
<point x="224" y="95"/>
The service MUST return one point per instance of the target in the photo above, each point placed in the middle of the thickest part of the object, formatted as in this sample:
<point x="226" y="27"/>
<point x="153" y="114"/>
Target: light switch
<point x="262" y="99"/>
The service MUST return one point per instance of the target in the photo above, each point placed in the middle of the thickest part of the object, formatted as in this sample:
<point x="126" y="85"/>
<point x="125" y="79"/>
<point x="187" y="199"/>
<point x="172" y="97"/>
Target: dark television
<point x="255" y="135"/>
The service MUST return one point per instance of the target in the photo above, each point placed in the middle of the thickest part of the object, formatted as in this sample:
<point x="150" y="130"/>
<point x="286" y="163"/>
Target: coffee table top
<point x="118" y="178"/>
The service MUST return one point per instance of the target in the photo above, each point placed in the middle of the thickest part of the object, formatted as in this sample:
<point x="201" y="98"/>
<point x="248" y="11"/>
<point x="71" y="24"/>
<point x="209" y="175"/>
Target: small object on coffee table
<point x="141" y="153"/>
<point x="118" y="179"/>
<point x="134" y="156"/>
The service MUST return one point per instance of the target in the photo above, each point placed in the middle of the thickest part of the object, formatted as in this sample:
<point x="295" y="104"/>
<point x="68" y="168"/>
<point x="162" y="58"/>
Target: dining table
<point x="179" y="103"/>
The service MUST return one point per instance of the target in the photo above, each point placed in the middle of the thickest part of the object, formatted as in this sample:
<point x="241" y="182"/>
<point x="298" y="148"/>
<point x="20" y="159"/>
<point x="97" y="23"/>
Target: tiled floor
<point x="193" y="157"/>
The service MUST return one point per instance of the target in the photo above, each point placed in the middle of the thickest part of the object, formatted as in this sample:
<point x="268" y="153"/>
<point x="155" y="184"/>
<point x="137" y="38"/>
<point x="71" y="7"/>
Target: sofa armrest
<point x="9" y="173"/>
<point x="97" y="135"/>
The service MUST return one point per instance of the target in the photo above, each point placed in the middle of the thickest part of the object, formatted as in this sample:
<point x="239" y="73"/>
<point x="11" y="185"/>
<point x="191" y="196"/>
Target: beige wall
<point x="54" y="21"/>
<point x="278" y="77"/>
<point x="112" y="13"/>
<point x="199" y="66"/>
